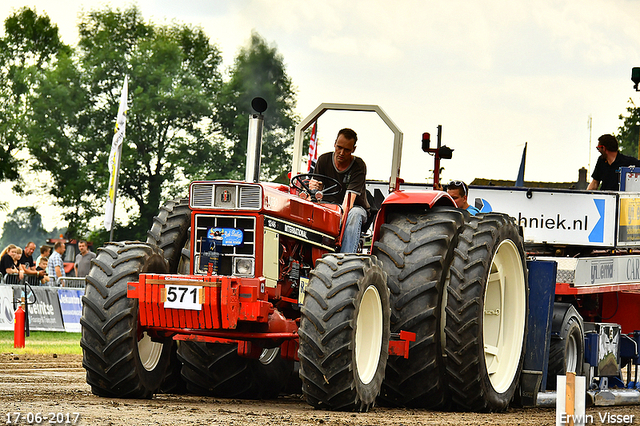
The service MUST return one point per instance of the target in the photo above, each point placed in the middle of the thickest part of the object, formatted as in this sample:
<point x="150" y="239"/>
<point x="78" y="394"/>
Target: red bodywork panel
<point x="400" y="199"/>
<point x="224" y="301"/>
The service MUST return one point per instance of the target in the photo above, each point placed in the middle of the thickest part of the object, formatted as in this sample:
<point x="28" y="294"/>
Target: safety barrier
<point x="10" y="279"/>
<point x="33" y="280"/>
<point x="70" y="282"/>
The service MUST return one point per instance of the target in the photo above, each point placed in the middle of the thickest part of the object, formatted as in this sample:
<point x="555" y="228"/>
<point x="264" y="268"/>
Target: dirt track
<point x="44" y="384"/>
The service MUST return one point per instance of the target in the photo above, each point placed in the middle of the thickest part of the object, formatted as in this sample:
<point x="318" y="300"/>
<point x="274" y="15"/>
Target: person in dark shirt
<point x="9" y="265"/>
<point x="42" y="270"/>
<point x="606" y="172"/>
<point x="351" y="172"/>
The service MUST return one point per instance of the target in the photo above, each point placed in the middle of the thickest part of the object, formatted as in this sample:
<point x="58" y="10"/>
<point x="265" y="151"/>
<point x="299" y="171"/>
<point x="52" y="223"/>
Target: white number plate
<point x="183" y="297"/>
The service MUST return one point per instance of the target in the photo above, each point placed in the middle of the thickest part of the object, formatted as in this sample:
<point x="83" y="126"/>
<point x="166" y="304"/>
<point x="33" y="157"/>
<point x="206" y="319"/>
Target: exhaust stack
<point x="254" y="141"/>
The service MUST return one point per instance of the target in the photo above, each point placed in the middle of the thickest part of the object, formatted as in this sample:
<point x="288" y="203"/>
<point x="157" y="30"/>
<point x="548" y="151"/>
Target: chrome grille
<point x="250" y="197"/>
<point x="226" y="196"/>
<point x="202" y="195"/>
<point x="228" y="254"/>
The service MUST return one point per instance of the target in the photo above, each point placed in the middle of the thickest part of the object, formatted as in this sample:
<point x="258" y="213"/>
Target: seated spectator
<point x="42" y="270"/>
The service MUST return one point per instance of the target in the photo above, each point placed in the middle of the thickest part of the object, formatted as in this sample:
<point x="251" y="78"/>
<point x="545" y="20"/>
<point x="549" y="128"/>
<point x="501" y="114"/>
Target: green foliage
<point x="258" y="71"/>
<point x="629" y="132"/>
<point x="24" y="224"/>
<point x="174" y="78"/>
<point x="30" y="44"/>
<point x="183" y="122"/>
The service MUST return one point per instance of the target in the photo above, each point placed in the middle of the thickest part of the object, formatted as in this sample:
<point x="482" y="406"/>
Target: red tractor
<point x="240" y="281"/>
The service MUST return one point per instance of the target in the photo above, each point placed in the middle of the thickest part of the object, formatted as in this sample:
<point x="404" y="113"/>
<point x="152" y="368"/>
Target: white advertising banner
<point x="554" y="217"/>
<point x="6" y="308"/>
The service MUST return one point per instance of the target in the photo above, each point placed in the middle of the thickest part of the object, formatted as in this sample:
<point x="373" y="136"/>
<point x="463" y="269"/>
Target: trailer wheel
<point x="415" y="249"/>
<point x="566" y="352"/>
<point x="216" y="369"/>
<point x="120" y="361"/>
<point x="344" y="332"/>
<point x="170" y="232"/>
<point x="486" y="314"/>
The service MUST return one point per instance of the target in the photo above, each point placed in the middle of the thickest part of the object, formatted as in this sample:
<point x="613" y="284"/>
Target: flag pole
<point x="114" y="160"/>
<point x="115" y="192"/>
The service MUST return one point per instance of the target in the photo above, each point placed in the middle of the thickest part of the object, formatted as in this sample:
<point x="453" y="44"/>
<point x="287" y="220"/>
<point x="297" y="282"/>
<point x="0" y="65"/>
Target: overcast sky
<point x="494" y="74"/>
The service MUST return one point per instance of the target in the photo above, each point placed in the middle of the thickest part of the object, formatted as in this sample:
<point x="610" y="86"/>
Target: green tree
<point x="24" y="224"/>
<point x="174" y="78"/>
<point x="629" y="132"/>
<point x="30" y="44"/>
<point x="258" y="70"/>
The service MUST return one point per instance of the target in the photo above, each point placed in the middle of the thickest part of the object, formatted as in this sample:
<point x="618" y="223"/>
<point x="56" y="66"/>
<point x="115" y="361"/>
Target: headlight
<point x="244" y="266"/>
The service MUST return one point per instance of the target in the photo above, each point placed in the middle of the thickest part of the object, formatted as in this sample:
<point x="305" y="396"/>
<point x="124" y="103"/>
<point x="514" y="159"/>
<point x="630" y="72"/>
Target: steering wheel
<point x="301" y="183"/>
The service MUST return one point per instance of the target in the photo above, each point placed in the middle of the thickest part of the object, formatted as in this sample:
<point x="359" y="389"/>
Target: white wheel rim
<point x="571" y="357"/>
<point x="504" y="316"/>
<point x="269" y="355"/>
<point x="149" y="352"/>
<point x="368" y="334"/>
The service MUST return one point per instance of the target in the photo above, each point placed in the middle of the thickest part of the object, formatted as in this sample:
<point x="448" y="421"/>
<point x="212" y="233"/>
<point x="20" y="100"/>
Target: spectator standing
<point x="26" y="262"/>
<point x="55" y="268"/>
<point x="45" y="251"/>
<point x="9" y="263"/>
<point x="82" y="264"/>
<point x="42" y="270"/>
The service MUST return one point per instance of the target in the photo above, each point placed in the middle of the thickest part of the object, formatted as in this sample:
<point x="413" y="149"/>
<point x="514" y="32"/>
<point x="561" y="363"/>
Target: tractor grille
<point x="229" y="256"/>
<point x="224" y="195"/>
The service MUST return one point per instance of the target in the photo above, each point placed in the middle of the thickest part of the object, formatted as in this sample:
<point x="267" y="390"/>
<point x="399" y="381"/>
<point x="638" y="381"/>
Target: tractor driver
<point x="351" y="172"/>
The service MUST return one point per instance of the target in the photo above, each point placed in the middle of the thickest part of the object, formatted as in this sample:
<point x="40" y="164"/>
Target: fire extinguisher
<point x="18" y="328"/>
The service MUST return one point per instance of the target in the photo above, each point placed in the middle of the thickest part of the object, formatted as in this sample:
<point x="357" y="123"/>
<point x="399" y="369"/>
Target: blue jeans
<point x="351" y="238"/>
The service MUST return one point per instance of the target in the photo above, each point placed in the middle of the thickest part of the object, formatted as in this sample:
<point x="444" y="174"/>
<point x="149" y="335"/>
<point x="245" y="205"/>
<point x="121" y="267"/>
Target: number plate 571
<point x="183" y="297"/>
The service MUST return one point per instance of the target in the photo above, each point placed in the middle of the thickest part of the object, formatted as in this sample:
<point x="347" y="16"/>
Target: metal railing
<point x="70" y="282"/>
<point x="33" y="280"/>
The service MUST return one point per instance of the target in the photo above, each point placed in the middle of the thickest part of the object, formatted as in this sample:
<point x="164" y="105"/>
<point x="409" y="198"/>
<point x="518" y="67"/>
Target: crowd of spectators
<point x="17" y="265"/>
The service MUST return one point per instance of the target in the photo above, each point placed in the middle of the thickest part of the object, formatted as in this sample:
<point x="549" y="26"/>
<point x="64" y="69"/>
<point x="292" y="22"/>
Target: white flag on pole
<point x="114" y="157"/>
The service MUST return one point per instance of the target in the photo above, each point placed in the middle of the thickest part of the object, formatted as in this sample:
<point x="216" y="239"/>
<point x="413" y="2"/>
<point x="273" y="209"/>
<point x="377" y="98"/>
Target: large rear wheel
<point x="415" y="249"/>
<point x="344" y="333"/>
<point x="486" y="314"/>
<point x="121" y="361"/>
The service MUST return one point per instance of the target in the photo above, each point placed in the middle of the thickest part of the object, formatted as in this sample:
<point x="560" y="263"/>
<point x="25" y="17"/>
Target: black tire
<point x="344" y="332"/>
<point x="118" y="363"/>
<point x="170" y="232"/>
<point x="566" y="351"/>
<point x="216" y="369"/>
<point x="485" y="333"/>
<point x="415" y="249"/>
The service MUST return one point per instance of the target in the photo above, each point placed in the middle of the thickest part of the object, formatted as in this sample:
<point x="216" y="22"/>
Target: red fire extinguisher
<point x="18" y="328"/>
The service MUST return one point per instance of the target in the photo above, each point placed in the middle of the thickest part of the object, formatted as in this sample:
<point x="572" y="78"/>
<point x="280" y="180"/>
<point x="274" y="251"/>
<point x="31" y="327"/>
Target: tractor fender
<point x="560" y="311"/>
<point x="403" y="199"/>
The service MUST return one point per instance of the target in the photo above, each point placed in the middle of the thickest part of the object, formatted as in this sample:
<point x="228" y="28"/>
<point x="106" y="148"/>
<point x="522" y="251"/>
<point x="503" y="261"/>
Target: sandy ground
<point x="31" y="384"/>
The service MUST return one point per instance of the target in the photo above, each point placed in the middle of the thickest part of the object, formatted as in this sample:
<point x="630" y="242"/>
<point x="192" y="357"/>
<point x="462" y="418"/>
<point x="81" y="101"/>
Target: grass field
<point x="42" y="342"/>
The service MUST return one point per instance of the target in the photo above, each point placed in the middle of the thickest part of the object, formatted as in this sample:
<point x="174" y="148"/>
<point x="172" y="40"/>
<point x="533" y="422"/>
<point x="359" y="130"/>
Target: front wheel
<point x="121" y="361"/>
<point x="344" y="333"/>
